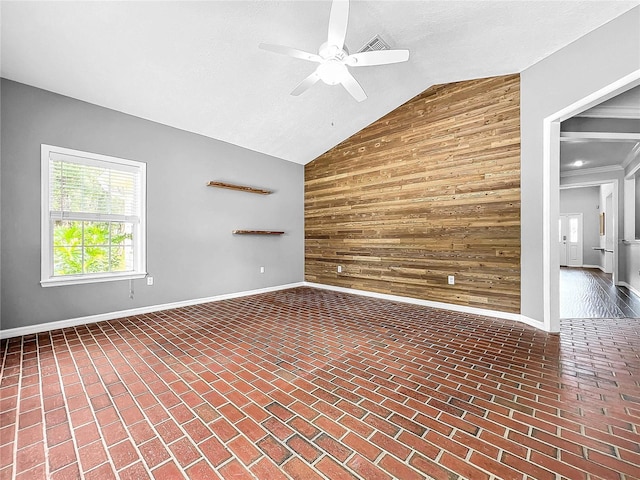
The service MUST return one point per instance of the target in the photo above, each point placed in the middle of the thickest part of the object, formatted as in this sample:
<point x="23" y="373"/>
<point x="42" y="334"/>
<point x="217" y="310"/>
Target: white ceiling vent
<point x="376" y="43"/>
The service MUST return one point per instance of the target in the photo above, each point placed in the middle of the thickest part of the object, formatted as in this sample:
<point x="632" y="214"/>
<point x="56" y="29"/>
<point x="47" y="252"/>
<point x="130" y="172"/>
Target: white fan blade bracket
<point x="305" y="84"/>
<point x="338" y="20"/>
<point x="353" y="87"/>
<point x="378" y="57"/>
<point x="291" y="52"/>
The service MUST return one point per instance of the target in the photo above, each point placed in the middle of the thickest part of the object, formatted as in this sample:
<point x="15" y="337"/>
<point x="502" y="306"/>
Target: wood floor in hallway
<point x="590" y="293"/>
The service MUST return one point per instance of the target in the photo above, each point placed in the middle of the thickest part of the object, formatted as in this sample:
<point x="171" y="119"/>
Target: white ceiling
<point x="595" y="154"/>
<point x="196" y="65"/>
<point x="618" y="116"/>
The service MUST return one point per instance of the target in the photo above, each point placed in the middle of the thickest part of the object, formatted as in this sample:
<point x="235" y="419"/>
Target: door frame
<point x="551" y="193"/>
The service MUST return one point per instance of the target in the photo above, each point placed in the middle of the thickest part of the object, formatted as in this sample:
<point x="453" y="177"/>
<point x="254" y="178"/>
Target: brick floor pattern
<point x="307" y="383"/>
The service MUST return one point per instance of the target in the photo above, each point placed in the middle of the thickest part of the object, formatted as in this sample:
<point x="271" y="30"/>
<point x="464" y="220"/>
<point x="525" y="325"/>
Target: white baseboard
<point x="599" y="267"/>
<point x="73" y="322"/>
<point x="427" y="303"/>
<point x="634" y="290"/>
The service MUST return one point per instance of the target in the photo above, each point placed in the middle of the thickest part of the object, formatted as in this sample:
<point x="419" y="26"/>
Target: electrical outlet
<point x="339" y="268"/>
<point x="451" y="280"/>
<point x="149" y="281"/>
<point x="261" y="269"/>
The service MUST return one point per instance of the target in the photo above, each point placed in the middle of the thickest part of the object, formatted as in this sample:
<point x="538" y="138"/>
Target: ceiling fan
<point x="334" y="58"/>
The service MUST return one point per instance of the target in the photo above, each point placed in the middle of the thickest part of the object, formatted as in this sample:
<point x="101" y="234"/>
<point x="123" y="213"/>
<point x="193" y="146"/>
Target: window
<point x="93" y="217"/>
<point x="573" y="230"/>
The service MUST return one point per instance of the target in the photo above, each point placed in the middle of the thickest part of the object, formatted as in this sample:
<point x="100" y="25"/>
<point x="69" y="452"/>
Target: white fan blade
<point x="306" y="83"/>
<point x="353" y="87"/>
<point x="291" y="52"/>
<point x="338" y="19"/>
<point x="379" y="57"/>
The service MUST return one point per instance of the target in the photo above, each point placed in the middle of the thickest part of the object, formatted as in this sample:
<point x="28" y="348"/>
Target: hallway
<point x="590" y="293"/>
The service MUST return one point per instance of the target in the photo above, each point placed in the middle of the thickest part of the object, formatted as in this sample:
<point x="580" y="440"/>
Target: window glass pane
<point x="129" y="257"/>
<point x="121" y="259"/>
<point x="67" y="234"/>
<point x="96" y="259"/>
<point x="55" y="180"/>
<point x="76" y="187"/>
<point x="121" y="233"/>
<point x="96" y="233"/>
<point x="67" y="260"/>
<point x="573" y="230"/>
<point x="102" y="247"/>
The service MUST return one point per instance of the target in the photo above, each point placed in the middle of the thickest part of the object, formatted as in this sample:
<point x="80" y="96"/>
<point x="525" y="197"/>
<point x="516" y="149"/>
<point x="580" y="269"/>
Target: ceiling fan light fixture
<point x="332" y="72"/>
<point x="334" y="58"/>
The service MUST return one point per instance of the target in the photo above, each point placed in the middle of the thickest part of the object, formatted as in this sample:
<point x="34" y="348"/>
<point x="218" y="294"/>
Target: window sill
<point x="79" y="280"/>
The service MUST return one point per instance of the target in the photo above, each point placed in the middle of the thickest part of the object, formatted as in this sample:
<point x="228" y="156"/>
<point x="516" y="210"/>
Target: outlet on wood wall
<point x="430" y="190"/>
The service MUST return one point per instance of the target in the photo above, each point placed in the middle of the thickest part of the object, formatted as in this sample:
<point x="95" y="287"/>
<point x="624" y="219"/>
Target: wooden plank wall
<point x="430" y="190"/>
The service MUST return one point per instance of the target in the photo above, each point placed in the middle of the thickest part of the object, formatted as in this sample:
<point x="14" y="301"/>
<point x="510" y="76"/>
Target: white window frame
<point x="47" y="219"/>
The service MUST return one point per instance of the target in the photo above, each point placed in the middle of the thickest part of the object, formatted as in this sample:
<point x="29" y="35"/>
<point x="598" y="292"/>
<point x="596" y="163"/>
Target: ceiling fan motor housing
<point x="332" y="70"/>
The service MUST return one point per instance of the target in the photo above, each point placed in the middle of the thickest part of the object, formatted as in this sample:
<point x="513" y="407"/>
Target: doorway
<point x="551" y="211"/>
<point x="586" y="247"/>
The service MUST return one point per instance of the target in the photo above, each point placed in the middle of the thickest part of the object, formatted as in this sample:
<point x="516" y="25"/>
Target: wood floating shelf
<point x="257" y="232"/>
<point x="240" y="188"/>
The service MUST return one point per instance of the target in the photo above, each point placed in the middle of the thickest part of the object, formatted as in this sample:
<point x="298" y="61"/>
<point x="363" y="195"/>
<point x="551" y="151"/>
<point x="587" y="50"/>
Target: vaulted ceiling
<point x="196" y="65"/>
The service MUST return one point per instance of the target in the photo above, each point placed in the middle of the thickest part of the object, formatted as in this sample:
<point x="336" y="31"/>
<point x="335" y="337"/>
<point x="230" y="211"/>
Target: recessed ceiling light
<point x="578" y="163"/>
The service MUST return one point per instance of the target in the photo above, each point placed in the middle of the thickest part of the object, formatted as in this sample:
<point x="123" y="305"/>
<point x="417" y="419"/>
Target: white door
<point x="571" y="240"/>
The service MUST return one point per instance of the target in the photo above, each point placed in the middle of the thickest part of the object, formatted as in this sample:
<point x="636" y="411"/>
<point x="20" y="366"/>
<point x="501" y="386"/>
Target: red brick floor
<point x="309" y="384"/>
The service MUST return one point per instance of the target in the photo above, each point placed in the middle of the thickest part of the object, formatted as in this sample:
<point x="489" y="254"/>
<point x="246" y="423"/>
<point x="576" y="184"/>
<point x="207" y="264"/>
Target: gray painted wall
<point x="570" y="74"/>
<point x="191" y="252"/>
<point x="637" y="206"/>
<point x="585" y="200"/>
<point x="631" y="252"/>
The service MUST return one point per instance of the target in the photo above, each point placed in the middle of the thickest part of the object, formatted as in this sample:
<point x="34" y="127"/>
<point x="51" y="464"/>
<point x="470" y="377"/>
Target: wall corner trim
<point x="516" y="317"/>
<point x="73" y="322"/>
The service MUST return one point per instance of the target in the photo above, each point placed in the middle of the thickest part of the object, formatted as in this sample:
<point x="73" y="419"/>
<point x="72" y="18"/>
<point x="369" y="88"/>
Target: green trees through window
<point x="92" y="247"/>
